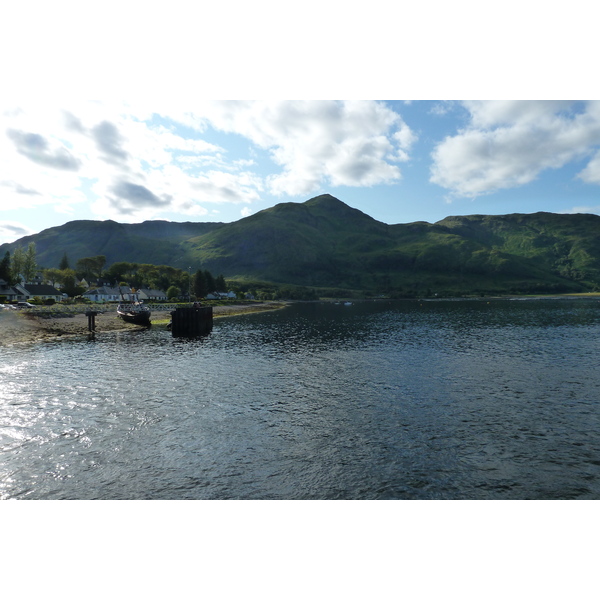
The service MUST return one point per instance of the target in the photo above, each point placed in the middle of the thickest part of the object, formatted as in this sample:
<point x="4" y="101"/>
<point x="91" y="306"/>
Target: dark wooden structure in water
<point x="191" y="320"/>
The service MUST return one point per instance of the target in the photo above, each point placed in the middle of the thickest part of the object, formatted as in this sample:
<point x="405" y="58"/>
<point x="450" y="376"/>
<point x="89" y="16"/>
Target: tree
<point x="18" y="261"/>
<point x="52" y="276"/>
<point x="173" y="292"/>
<point x="200" y="289"/>
<point x="29" y="263"/>
<point x="220" y="284"/>
<point x="210" y="281"/>
<point x="65" y="275"/>
<point x="68" y="282"/>
<point x="121" y="270"/>
<point x="150" y="276"/>
<point x="5" y="268"/>
<point x="172" y="276"/>
<point x="91" y="266"/>
<point x="64" y="263"/>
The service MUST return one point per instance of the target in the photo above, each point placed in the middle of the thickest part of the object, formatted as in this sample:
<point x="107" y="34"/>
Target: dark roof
<point x="42" y="290"/>
<point x="8" y="291"/>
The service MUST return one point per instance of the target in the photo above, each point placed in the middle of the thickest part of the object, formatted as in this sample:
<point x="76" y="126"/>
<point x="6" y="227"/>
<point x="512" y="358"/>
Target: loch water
<point x="440" y="399"/>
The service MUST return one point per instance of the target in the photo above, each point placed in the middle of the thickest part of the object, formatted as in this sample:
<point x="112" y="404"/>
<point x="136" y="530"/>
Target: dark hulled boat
<point x="135" y="313"/>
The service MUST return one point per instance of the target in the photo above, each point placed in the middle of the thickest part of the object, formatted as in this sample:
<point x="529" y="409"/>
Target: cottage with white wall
<point x="145" y="295"/>
<point x="221" y="295"/>
<point x="43" y="291"/>
<point x="106" y="294"/>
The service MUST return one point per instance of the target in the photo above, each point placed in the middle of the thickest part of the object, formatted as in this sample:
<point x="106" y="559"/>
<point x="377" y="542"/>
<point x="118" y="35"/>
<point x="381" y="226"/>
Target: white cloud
<point x="38" y="167"/>
<point x="109" y="142"/>
<point x="439" y="109"/>
<point x="591" y="173"/>
<point x="221" y="187"/>
<point x="576" y="210"/>
<point x="157" y="146"/>
<point x="139" y="162"/>
<point x="508" y="144"/>
<point x="38" y="149"/>
<point x="11" y="231"/>
<point x="17" y="188"/>
<point x="493" y="113"/>
<point x="134" y="168"/>
<point x="317" y="143"/>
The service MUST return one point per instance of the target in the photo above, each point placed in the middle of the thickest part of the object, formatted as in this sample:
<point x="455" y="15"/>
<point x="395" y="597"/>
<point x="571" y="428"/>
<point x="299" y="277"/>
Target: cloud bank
<point x="11" y="231"/>
<point x="318" y="143"/>
<point x="507" y="144"/>
<point x="37" y="149"/>
<point x="143" y="162"/>
<point x="176" y="159"/>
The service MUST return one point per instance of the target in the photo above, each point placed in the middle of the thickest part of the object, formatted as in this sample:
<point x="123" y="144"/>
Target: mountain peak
<point x="330" y="207"/>
<point x="325" y="199"/>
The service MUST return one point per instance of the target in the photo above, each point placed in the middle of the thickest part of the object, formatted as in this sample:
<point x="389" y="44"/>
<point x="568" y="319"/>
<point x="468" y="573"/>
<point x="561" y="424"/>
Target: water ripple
<point x="390" y="400"/>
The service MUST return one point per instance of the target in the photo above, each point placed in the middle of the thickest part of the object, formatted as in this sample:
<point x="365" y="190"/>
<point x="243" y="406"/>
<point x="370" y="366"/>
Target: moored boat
<point x="133" y="311"/>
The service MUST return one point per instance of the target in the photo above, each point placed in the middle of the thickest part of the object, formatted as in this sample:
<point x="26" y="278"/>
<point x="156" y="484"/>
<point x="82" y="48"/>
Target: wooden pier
<point x="191" y="320"/>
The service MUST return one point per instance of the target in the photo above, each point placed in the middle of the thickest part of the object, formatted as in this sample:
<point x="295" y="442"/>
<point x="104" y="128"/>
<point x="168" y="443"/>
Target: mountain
<point x="152" y="242"/>
<point x="326" y="244"/>
<point x="315" y="243"/>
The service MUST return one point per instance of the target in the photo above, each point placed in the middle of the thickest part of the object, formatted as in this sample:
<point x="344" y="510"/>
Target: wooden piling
<point x="191" y="320"/>
<point x="91" y="315"/>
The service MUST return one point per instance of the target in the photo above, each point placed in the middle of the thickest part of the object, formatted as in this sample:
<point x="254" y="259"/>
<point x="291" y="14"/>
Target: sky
<point x="397" y="161"/>
<point x="112" y="121"/>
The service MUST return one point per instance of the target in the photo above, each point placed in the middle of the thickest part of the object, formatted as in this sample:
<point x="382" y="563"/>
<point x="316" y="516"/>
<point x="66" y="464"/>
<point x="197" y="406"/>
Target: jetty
<point x="191" y="320"/>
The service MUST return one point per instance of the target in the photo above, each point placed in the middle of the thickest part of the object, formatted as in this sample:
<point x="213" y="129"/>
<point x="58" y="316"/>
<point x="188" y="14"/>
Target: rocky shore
<point x="32" y="326"/>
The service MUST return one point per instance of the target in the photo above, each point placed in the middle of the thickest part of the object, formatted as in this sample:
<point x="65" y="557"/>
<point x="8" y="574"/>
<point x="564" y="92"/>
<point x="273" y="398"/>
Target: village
<point x="43" y="293"/>
<point x="23" y="282"/>
<point x="41" y="311"/>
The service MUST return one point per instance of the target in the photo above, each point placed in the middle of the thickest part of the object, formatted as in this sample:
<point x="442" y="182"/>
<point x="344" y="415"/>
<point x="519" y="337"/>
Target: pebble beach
<point x="33" y="326"/>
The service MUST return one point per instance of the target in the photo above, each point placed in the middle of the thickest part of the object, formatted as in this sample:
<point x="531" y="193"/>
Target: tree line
<point x="22" y="267"/>
<point x="22" y="263"/>
<point x="176" y="283"/>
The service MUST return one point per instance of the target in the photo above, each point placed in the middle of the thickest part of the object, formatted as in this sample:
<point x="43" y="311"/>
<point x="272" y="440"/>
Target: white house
<point x="106" y="294"/>
<point x="221" y="295"/>
<point x="113" y="294"/>
<point x="145" y="295"/>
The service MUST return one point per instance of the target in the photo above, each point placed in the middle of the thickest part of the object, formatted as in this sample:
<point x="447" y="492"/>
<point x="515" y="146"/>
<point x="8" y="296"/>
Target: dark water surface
<point x="378" y="400"/>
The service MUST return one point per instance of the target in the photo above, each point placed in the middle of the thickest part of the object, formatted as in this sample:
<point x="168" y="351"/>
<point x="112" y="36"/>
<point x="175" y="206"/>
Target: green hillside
<point x="315" y="244"/>
<point x="324" y="243"/>
<point x="567" y="245"/>
<point x="151" y="242"/>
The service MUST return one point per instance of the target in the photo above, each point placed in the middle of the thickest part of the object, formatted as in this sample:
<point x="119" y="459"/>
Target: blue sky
<point x="222" y="160"/>
<point x="102" y="123"/>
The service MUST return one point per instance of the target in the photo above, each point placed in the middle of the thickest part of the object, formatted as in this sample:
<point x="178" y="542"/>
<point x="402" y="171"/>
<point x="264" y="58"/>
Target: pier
<point x="191" y="320"/>
<point x="91" y="315"/>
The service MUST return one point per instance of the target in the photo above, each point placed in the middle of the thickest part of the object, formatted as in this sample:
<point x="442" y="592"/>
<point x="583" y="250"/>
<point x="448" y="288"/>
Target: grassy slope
<point x="153" y="242"/>
<point x="325" y="243"/>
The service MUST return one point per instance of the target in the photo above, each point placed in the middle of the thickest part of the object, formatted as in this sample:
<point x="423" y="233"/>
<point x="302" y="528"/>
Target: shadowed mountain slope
<point x="325" y="243"/>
